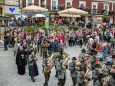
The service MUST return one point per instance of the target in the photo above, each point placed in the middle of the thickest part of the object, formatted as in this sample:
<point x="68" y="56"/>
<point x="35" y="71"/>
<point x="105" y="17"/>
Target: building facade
<point x="94" y="7"/>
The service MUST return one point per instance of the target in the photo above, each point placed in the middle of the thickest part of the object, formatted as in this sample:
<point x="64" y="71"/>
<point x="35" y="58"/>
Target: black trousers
<point x="62" y="81"/>
<point x="74" y="79"/>
<point x="5" y="47"/>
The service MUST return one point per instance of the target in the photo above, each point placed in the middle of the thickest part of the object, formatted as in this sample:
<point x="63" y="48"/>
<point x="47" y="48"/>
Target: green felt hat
<point x="112" y="74"/>
<point x="81" y="68"/>
<point x="56" y="51"/>
<point x="45" y="56"/>
<point x="60" y="57"/>
<point x="97" y="66"/>
<point x="83" y="50"/>
<point x="108" y="63"/>
<point x="101" y="75"/>
<point x="74" y="58"/>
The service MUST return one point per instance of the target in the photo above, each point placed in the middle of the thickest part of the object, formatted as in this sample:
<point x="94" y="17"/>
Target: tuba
<point x="50" y="63"/>
<point x="86" y="77"/>
<point x="66" y="58"/>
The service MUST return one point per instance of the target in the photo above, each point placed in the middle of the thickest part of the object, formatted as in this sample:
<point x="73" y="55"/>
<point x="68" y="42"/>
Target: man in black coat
<point x="6" y="42"/>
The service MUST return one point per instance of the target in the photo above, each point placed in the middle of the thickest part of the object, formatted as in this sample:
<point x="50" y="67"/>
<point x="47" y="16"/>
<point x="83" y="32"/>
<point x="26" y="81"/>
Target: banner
<point x="47" y="21"/>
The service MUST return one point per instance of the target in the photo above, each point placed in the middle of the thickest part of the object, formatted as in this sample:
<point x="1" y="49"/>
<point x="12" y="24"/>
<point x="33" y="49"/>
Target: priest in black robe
<point x="21" y="61"/>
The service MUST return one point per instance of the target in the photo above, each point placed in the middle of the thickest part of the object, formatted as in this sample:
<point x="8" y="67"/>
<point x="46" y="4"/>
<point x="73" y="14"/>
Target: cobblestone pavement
<point x="10" y="77"/>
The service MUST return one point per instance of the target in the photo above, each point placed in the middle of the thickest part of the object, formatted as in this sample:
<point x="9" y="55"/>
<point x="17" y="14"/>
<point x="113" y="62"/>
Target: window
<point x="94" y="7"/>
<point x="29" y="2"/>
<point x="54" y="4"/>
<point x="82" y="3"/>
<point x="42" y="2"/>
<point x="68" y="3"/>
<point x="106" y="8"/>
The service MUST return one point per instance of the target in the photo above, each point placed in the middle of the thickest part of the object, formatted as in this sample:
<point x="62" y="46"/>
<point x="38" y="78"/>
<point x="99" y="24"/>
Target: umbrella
<point x="39" y="15"/>
<point x="69" y="15"/>
<point x="33" y="8"/>
<point x="73" y="11"/>
<point x="19" y="16"/>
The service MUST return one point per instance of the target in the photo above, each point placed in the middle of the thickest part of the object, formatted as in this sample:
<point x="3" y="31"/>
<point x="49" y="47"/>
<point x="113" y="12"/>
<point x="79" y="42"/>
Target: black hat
<point x="108" y="63"/>
<point x="97" y="66"/>
<point x="83" y="50"/>
<point x="74" y="58"/>
<point x="113" y="56"/>
<point x="90" y="53"/>
<point x="94" y="52"/>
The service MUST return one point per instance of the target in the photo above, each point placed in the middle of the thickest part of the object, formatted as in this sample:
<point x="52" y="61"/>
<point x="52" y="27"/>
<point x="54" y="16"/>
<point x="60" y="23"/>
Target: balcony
<point x="94" y="11"/>
<point x="54" y="8"/>
<point x="106" y="12"/>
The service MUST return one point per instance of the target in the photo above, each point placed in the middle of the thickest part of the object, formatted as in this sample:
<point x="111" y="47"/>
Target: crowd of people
<point x="96" y="64"/>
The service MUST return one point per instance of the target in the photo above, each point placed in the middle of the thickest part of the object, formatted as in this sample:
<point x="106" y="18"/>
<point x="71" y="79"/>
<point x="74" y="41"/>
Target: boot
<point x="33" y="79"/>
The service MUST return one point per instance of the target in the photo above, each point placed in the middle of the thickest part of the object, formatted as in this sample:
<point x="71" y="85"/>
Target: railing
<point x="106" y="12"/>
<point x="94" y="11"/>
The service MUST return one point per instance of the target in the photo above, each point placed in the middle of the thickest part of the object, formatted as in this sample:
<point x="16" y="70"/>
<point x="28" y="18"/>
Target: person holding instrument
<point x="46" y="70"/>
<point x="33" y="69"/>
<point x="61" y="68"/>
<point x="73" y="71"/>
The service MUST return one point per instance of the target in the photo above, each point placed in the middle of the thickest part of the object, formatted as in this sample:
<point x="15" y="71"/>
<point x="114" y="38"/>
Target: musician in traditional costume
<point x="95" y="73"/>
<point x="73" y="71"/>
<point x="80" y="77"/>
<point x="107" y="70"/>
<point x="33" y="69"/>
<point x="99" y="81"/>
<point x="111" y="81"/>
<point x="21" y="61"/>
<point x="113" y="59"/>
<point x="44" y="47"/>
<point x="83" y="52"/>
<point x="61" y="68"/>
<point x="46" y="69"/>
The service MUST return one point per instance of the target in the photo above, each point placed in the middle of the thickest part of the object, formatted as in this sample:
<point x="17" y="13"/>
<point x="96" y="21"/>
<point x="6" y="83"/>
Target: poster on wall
<point x="99" y="20"/>
<point x="47" y="21"/>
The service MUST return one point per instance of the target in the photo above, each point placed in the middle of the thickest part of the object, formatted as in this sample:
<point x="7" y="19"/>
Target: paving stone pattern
<point x="10" y="77"/>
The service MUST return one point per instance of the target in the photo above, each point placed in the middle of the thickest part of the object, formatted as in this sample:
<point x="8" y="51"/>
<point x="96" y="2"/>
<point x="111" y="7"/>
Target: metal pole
<point x="0" y="31"/>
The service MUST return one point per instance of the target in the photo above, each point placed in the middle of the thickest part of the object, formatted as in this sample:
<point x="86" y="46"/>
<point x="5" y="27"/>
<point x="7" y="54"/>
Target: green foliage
<point x="74" y="27"/>
<point x="58" y="27"/>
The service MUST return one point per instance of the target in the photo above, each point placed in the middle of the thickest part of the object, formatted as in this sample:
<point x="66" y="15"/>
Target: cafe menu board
<point x="12" y="2"/>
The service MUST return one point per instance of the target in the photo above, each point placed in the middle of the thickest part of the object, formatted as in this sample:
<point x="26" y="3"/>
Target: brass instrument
<point x="50" y="63"/>
<point x="66" y="58"/>
<point x="85" y="76"/>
